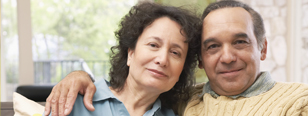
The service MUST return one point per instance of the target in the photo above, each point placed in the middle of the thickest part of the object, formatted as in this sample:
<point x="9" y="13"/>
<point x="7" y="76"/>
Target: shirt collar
<point x="263" y="83"/>
<point x="156" y="107"/>
<point x="103" y="92"/>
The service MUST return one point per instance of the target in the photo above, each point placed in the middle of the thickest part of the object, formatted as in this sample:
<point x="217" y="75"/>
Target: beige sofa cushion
<point x="26" y="107"/>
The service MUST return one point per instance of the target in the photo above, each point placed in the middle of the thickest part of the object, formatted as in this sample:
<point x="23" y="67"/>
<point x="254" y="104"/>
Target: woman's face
<point x="159" y="56"/>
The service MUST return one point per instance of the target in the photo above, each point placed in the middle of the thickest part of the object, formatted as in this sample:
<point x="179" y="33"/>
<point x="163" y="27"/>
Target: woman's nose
<point x="162" y="58"/>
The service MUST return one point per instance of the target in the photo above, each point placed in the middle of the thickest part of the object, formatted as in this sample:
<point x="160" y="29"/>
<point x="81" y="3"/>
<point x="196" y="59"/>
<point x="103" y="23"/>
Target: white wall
<point x="283" y="24"/>
<point x="26" y="76"/>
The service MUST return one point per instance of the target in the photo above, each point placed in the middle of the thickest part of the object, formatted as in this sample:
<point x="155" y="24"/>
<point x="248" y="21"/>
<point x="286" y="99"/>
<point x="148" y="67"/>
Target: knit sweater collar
<point x="263" y="83"/>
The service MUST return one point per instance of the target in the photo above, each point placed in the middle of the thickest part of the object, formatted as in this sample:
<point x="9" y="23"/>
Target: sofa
<point x="7" y="108"/>
<point x="27" y="100"/>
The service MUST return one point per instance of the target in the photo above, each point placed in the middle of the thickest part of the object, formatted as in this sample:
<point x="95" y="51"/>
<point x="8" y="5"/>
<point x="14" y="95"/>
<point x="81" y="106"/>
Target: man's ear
<point x="264" y="50"/>
<point x="129" y="56"/>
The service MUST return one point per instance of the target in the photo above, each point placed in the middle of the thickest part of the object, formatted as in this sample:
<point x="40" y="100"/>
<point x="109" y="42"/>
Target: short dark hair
<point x="257" y="20"/>
<point x="132" y="26"/>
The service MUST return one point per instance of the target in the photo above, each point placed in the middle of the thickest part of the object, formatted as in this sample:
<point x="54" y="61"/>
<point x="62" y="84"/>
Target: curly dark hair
<point x="257" y="20"/>
<point x="131" y="27"/>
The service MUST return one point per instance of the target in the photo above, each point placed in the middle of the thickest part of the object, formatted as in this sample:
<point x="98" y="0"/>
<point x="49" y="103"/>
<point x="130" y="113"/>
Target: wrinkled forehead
<point x="228" y="15"/>
<point x="231" y="18"/>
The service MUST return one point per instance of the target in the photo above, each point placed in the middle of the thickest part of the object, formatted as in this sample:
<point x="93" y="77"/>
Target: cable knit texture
<point x="284" y="99"/>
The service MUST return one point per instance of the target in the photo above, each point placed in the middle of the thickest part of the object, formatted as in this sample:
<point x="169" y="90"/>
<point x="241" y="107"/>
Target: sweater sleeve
<point x="300" y="106"/>
<point x="305" y="111"/>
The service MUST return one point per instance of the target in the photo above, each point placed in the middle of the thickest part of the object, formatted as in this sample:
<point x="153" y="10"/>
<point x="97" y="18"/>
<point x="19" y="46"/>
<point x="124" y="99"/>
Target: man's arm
<point x="63" y="95"/>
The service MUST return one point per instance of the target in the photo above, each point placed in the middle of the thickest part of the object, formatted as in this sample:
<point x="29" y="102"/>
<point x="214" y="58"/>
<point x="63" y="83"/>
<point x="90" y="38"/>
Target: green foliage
<point x="197" y="5"/>
<point x="80" y="28"/>
<point x="200" y="76"/>
<point x="9" y="35"/>
<point x="11" y="71"/>
<point x="64" y="29"/>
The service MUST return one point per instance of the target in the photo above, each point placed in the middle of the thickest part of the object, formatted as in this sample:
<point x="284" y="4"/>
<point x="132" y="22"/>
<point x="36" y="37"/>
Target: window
<point x="9" y="49"/>
<point x="67" y="35"/>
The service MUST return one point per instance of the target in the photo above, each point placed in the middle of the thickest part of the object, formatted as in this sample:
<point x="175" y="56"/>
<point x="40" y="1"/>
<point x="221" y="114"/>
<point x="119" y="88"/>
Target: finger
<point x="54" y="101"/>
<point x="71" y="98"/>
<point x="47" y="105"/>
<point x="62" y="100"/>
<point x="88" y="97"/>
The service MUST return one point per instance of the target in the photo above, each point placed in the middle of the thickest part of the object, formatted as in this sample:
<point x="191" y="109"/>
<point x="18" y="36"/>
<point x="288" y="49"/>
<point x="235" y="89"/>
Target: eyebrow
<point x="241" y="35"/>
<point x="157" y="39"/>
<point x="211" y="39"/>
<point x="173" y="44"/>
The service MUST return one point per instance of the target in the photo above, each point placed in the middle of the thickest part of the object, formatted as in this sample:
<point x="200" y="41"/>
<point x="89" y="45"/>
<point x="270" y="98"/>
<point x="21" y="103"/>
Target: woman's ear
<point x="200" y="63"/>
<point x="129" y="56"/>
<point x="264" y="50"/>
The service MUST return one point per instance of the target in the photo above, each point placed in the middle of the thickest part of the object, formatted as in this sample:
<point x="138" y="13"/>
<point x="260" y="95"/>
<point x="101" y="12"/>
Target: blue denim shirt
<point x="106" y="104"/>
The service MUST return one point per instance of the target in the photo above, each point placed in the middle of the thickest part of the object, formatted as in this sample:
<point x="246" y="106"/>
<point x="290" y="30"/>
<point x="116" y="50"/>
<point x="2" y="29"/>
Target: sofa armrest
<point x="38" y="93"/>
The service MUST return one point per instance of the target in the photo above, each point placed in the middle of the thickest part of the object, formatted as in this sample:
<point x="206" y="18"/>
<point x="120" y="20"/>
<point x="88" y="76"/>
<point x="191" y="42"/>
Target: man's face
<point x="230" y="53"/>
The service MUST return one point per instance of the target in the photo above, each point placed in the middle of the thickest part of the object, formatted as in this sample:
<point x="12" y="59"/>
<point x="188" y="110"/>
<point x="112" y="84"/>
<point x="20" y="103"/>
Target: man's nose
<point x="162" y="58"/>
<point x="227" y="55"/>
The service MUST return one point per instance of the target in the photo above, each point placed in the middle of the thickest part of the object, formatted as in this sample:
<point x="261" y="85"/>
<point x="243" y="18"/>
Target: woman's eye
<point x="176" y="53"/>
<point x="153" y="45"/>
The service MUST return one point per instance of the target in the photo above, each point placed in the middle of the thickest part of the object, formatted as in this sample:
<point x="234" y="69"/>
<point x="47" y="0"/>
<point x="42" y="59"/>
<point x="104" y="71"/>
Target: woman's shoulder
<point x="100" y="101"/>
<point x="165" y="112"/>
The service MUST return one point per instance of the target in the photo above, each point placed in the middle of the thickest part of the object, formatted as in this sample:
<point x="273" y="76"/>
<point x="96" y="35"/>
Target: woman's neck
<point x="136" y="98"/>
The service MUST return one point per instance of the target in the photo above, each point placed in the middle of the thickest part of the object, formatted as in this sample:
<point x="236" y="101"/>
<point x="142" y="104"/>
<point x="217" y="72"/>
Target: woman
<point x="151" y="67"/>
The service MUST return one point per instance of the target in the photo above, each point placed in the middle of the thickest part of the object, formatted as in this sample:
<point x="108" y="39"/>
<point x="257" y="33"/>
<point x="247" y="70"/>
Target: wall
<point x="274" y="15"/>
<point x="304" y="38"/>
<point x="287" y="50"/>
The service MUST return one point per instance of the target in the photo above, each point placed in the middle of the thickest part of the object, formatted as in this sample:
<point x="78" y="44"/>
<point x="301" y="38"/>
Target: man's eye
<point x="241" y="42"/>
<point x="213" y="46"/>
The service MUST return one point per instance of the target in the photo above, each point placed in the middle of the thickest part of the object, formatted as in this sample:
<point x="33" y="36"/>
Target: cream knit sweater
<point x="284" y="99"/>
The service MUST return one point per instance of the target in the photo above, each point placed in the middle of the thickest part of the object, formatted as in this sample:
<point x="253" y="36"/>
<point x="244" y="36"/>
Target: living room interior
<point x="42" y="41"/>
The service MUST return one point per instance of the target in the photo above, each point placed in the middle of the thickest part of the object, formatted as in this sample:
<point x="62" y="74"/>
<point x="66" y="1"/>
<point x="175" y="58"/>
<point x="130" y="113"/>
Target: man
<point x="233" y="44"/>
